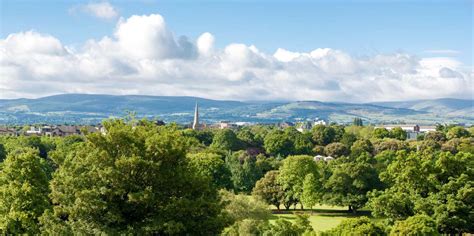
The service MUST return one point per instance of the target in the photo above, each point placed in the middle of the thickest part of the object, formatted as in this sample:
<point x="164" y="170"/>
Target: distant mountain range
<point x="91" y="109"/>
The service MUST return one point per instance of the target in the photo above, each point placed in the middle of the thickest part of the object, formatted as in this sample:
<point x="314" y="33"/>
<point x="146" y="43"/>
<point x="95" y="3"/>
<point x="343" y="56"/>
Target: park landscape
<point x="143" y="177"/>
<point x="236" y="118"/>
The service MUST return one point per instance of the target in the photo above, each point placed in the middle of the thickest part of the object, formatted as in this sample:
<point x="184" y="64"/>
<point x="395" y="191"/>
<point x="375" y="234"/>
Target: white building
<point x="413" y="130"/>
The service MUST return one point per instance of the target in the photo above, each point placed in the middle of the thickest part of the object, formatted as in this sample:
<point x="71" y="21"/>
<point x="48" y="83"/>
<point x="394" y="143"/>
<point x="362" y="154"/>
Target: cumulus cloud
<point x="143" y="56"/>
<point x="102" y="10"/>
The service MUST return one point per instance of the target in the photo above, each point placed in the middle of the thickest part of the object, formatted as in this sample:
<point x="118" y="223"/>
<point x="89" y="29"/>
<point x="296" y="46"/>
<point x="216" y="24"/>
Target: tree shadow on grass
<point x="322" y="212"/>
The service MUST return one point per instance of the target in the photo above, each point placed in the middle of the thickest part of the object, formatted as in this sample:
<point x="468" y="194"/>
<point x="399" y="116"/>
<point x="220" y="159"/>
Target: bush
<point x="357" y="226"/>
<point x="415" y="225"/>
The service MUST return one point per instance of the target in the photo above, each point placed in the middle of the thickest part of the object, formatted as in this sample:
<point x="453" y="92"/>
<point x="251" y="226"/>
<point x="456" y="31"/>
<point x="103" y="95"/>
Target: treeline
<point x="141" y="178"/>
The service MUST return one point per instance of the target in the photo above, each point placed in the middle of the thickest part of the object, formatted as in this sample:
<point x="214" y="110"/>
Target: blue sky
<point x="338" y="50"/>
<point x="359" y="27"/>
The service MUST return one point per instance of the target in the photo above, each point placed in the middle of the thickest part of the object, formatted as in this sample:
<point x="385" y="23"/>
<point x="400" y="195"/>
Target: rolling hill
<point x="90" y="109"/>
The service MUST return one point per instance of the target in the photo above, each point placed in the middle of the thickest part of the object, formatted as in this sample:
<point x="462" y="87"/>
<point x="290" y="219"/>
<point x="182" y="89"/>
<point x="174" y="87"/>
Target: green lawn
<point x="322" y="217"/>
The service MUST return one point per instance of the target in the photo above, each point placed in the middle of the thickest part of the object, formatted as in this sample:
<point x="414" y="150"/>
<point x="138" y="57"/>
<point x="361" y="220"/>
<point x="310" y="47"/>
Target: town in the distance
<point x="412" y="131"/>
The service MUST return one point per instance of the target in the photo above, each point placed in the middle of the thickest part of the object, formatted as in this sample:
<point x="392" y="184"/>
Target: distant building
<point x="33" y="131"/>
<point x="319" y="122"/>
<point x="226" y="125"/>
<point x="5" y="131"/>
<point x="412" y="130"/>
<point x="286" y="124"/>
<point x="196" y="117"/>
<point x="323" y="158"/>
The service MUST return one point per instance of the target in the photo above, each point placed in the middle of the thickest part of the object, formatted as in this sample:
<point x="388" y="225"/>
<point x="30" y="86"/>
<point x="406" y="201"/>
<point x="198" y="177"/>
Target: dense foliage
<point x="141" y="178"/>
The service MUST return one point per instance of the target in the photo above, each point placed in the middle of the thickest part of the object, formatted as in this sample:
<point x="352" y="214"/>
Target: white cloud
<point x="143" y="56"/>
<point x="205" y="43"/>
<point x="103" y="10"/>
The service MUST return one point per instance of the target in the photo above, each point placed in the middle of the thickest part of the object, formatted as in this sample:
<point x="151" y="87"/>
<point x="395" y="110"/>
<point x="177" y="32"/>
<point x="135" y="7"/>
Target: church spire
<point x="196" y="117"/>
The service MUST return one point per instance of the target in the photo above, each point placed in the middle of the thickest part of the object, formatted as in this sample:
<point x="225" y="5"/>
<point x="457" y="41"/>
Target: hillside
<point x="86" y="108"/>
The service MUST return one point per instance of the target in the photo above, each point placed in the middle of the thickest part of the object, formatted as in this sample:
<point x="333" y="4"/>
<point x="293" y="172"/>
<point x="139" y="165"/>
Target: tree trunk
<point x="302" y="207"/>
<point x="350" y="208"/>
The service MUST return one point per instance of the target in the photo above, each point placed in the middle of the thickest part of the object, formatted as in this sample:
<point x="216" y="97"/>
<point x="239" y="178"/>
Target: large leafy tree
<point x="435" y="184"/>
<point x="278" y="143"/>
<point x="381" y="133"/>
<point x="244" y="169"/>
<point x="351" y="180"/>
<point x="323" y="135"/>
<point x="292" y="175"/>
<point x="311" y="191"/>
<point x="336" y="150"/>
<point x="134" y="179"/>
<point x="23" y="191"/>
<point x="269" y="190"/>
<point x="361" y="146"/>
<point x="212" y="166"/>
<point x="415" y="225"/>
<point x="302" y="143"/>
<point x="357" y="226"/>
<point x="457" y="132"/>
<point x="226" y="139"/>
<point x="398" y="133"/>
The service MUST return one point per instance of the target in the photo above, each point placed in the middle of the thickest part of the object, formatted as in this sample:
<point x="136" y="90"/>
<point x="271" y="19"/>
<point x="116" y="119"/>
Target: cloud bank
<point x="143" y="56"/>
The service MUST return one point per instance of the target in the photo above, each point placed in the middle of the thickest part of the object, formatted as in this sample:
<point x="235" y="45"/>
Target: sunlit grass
<point x="322" y="217"/>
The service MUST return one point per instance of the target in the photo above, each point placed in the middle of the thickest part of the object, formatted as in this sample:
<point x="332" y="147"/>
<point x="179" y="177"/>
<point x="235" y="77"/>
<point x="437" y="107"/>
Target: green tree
<point x="398" y="133"/>
<point x="437" y="184"/>
<point x="457" y="132"/>
<point x="269" y="190"/>
<point x="361" y="146"/>
<point x="282" y="227"/>
<point x="336" y="150"/>
<point x="357" y="122"/>
<point x="133" y="179"/>
<point x="249" y="215"/>
<point x="351" y="180"/>
<point x="278" y="143"/>
<point x="211" y="166"/>
<point x="323" y="135"/>
<point x="381" y="133"/>
<point x="415" y="225"/>
<point x="226" y="139"/>
<point x="389" y="144"/>
<point x="244" y="170"/>
<point x="292" y="175"/>
<point x="348" y="139"/>
<point x="311" y="190"/>
<point x="240" y="207"/>
<point x="23" y="191"/>
<point x="3" y="152"/>
<point x="357" y="226"/>
<point x="246" y="136"/>
<point x="204" y="136"/>
<point x="436" y="136"/>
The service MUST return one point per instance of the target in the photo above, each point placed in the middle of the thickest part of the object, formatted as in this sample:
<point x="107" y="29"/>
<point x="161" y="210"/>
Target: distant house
<point x="286" y="124"/>
<point x="5" y="131"/>
<point x="323" y="158"/>
<point x="307" y="125"/>
<point x="226" y="125"/>
<point x="303" y="126"/>
<point x="66" y="130"/>
<point x="413" y="130"/>
<point x="33" y="131"/>
<point x="319" y="122"/>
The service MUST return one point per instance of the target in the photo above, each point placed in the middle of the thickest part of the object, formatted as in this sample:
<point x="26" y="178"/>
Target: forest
<point x="142" y="178"/>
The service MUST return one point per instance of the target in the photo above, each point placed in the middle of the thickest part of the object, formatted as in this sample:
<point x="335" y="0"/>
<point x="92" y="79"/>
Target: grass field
<point x="322" y="217"/>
